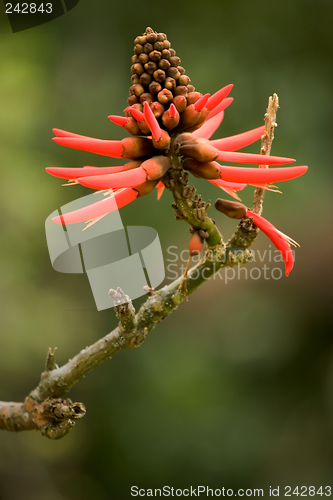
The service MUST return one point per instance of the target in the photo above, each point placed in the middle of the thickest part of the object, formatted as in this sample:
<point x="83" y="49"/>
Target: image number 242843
<point x="26" y="8"/>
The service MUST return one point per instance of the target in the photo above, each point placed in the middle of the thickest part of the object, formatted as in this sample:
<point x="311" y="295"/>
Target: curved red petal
<point x="118" y="120"/>
<point x="253" y="158"/>
<point x="208" y="128"/>
<point x="152" y="121"/>
<point x="63" y="133"/>
<point x="76" y="172"/>
<point x="137" y="114"/>
<point x="128" y="178"/>
<point x="279" y="240"/>
<point x="97" y="146"/>
<point x="102" y="207"/>
<point x="261" y="175"/>
<point x="216" y="98"/>
<point x="238" y="141"/>
<point x="221" y="107"/>
<point x="201" y="102"/>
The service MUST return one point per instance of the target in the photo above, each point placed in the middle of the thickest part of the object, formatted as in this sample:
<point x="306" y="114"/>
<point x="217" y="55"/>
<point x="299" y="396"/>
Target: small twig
<point x="266" y="143"/>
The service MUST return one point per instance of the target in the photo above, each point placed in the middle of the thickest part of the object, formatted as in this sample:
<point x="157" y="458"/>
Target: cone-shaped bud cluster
<point x="232" y="209"/>
<point x="160" y="82"/>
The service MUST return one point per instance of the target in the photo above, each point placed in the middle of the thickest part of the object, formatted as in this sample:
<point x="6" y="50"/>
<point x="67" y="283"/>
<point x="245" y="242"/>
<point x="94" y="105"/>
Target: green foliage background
<point x="235" y="389"/>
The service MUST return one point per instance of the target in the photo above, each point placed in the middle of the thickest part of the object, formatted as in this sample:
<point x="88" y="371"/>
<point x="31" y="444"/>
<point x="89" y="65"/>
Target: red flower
<point x="281" y="241"/>
<point x="167" y="124"/>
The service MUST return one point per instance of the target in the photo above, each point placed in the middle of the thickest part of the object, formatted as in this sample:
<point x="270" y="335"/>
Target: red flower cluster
<point x="169" y="126"/>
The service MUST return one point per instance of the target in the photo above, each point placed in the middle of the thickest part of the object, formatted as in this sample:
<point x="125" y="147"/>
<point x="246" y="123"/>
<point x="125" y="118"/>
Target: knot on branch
<point x="54" y="417"/>
<point x="124" y="310"/>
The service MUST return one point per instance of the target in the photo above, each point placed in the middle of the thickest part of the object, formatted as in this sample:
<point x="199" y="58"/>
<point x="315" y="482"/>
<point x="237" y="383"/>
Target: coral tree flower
<point x="166" y="119"/>
<point x="280" y="240"/>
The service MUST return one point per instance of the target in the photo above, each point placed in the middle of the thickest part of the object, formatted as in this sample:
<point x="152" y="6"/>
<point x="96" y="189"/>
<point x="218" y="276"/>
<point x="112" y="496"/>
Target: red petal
<point x="76" y="172"/>
<point x="160" y="188"/>
<point x="261" y="175"/>
<point x="208" y="128"/>
<point x="102" y="207"/>
<point x="137" y="114"/>
<point x="173" y="110"/>
<point x="229" y="187"/>
<point x="118" y="120"/>
<point x="253" y="158"/>
<point x="62" y="133"/>
<point x="129" y="178"/>
<point x="201" y="102"/>
<point x="216" y="98"/>
<point x="151" y="121"/>
<point x="221" y="107"/>
<point x="239" y="141"/>
<point x="97" y="146"/>
<point x="279" y="240"/>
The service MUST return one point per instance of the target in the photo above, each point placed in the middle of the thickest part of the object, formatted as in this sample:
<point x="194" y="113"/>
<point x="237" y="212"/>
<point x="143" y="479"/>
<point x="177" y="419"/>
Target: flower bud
<point x="169" y="121"/>
<point x="132" y="126"/>
<point x="155" y="55"/>
<point x="170" y="83"/>
<point x="137" y="69"/>
<point x="166" y="44"/>
<point x="200" y="149"/>
<point x="135" y="147"/>
<point x="138" y="49"/>
<point x="152" y="37"/>
<point x="180" y="103"/>
<point x="165" y="96"/>
<point x="189" y="117"/>
<point x="157" y="108"/>
<point x="154" y="87"/>
<point x="180" y="89"/>
<point x="143" y="58"/>
<point x="146" y="97"/>
<point x="181" y="70"/>
<point x="192" y="97"/>
<point x="232" y="209"/>
<point x="173" y="73"/>
<point x="135" y="79"/>
<point x="158" y="46"/>
<point x="163" y="64"/>
<point x="196" y="244"/>
<point x="208" y="170"/>
<point x="163" y="142"/>
<point x="174" y="61"/>
<point x="145" y="79"/>
<point x="147" y="48"/>
<point x="145" y="188"/>
<point x="132" y="100"/>
<point x="166" y="54"/>
<point x="150" y="67"/>
<point x="159" y="75"/>
<point x="156" y="167"/>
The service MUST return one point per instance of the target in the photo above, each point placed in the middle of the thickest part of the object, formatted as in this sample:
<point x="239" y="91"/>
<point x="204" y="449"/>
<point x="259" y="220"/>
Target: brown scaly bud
<point x="135" y="79"/>
<point x="143" y="58"/>
<point x="135" y="59"/>
<point x="164" y="64"/>
<point x="170" y="83"/>
<point x="203" y="117"/>
<point x="180" y="90"/>
<point x="196" y="244"/>
<point x="192" y="97"/>
<point x="189" y="117"/>
<point x="133" y="100"/>
<point x="150" y="67"/>
<point x="146" y="97"/>
<point x="138" y="49"/>
<point x="137" y="89"/>
<point x="172" y="52"/>
<point x="191" y="88"/>
<point x="137" y="69"/>
<point x="159" y="75"/>
<point x="181" y="70"/>
<point x="132" y="126"/>
<point x="147" y="48"/>
<point x="163" y="142"/>
<point x="158" y="46"/>
<point x="166" y="54"/>
<point x="165" y="96"/>
<point x="200" y="149"/>
<point x="173" y="73"/>
<point x="183" y="79"/>
<point x="145" y="79"/>
<point x="157" y="108"/>
<point x="145" y="188"/>
<point x="208" y="170"/>
<point x="152" y="37"/>
<point x="174" y="61"/>
<point x="136" y="147"/>
<point x="156" y="167"/>
<point x="232" y="209"/>
<point x="155" y="87"/>
<point x="155" y="55"/>
<point x="180" y="103"/>
<point x="170" y="118"/>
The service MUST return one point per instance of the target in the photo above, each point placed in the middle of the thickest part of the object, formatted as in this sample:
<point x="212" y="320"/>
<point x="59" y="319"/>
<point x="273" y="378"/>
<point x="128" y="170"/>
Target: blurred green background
<point x="235" y="389"/>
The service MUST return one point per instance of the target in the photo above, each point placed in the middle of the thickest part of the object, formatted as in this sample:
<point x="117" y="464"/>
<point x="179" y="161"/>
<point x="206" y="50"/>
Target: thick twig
<point x="44" y="409"/>
<point x="266" y="143"/>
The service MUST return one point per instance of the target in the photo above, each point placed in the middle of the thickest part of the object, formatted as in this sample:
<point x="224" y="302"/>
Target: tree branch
<point x="44" y="408"/>
<point x="266" y="144"/>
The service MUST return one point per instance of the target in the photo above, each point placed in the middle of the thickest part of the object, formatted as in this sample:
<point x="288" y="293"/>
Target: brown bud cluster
<point x="158" y="78"/>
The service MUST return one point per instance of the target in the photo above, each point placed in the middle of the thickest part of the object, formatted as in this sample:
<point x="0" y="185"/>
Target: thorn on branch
<point x="124" y="310"/>
<point x="50" y="360"/>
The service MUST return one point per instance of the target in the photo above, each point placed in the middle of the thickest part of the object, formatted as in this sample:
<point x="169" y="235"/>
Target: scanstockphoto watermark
<point x="267" y="266"/>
